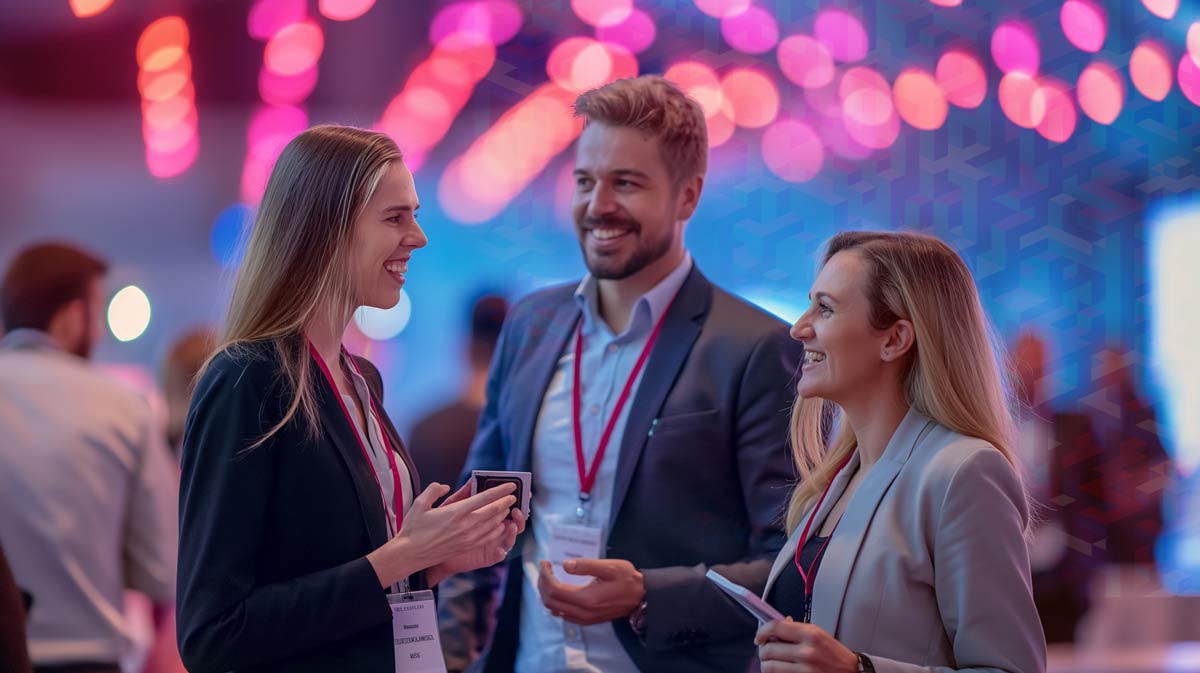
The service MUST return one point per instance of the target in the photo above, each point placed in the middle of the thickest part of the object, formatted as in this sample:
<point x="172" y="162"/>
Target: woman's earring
<point x="885" y="354"/>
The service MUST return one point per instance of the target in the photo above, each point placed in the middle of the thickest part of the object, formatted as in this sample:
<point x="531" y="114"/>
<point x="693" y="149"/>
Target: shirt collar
<point x="648" y="309"/>
<point x="24" y="338"/>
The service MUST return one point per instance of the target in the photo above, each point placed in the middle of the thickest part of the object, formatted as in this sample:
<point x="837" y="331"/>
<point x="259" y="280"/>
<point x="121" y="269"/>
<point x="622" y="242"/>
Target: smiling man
<point x="651" y="407"/>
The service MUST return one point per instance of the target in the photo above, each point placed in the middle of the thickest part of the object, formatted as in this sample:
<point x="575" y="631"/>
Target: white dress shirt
<point x="377" y="449"/>
<point x="547" y="643"/>
<point x="88" y="499"/>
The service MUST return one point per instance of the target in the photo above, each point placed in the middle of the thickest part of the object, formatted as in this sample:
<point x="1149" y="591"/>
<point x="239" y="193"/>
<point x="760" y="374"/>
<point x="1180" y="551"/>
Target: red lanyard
<point x="587" y="476"/>
<point x="808" y="575"/>
<point x="397" y="491"/>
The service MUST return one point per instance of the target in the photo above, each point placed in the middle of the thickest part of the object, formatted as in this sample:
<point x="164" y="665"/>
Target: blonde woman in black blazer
<point x="300" y="509"/>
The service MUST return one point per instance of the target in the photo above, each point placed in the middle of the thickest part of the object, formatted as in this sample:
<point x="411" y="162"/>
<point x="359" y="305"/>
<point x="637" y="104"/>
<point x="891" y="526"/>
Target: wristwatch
<point x="637" y="620"/>
<point x="864" y="663"/>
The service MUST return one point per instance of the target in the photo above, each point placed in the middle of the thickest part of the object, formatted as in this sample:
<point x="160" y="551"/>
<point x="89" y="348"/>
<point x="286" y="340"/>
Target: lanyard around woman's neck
<point x="809" y="575"/>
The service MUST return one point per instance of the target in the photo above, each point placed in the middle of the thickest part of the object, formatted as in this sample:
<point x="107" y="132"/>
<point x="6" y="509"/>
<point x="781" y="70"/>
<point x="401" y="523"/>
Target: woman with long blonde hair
<point x="300" y="508"/>
<point x="906" y="547"/>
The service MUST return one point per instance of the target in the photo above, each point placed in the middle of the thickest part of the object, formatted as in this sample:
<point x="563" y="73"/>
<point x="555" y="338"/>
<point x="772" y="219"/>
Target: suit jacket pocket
<point x="689" y="421"/>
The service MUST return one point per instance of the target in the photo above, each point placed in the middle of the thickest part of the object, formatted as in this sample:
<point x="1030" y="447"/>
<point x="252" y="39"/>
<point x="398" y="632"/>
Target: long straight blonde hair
<point x="953" y="373"/>
<point x="298" y="256"/>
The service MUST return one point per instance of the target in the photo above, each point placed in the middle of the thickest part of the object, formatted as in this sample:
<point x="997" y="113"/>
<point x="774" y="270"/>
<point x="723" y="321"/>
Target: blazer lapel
<point x="345" y="439"/>
<point x="788" y="553"/>
<point x="834" y="574"/>
<point x="531" y="382"/>
<point x="680" y="329"/>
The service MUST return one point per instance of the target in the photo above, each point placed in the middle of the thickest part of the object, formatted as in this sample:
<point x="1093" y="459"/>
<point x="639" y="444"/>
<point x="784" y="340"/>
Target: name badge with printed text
<point x="417" y="646"/>
<point x="573" y="541"/>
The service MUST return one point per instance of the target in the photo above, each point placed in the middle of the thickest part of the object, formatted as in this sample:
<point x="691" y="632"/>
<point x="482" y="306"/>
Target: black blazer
<point x="273" y="574"/>
<point x="703" y="474"/>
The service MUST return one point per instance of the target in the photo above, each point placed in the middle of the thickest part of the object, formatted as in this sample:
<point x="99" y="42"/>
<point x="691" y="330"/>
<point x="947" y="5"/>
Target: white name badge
<point x="417" y="646"/>
<point x="573" y="541"/>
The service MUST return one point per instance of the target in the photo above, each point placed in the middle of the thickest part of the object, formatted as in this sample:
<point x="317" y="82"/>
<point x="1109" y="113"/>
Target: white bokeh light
<point x="383" y="324"/>
<point x="129" y="313"/>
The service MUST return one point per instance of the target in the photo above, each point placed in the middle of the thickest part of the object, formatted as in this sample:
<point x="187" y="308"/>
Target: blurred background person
<point x="441" y="439"/>
<point x="1136" y="468"/>
<point x="1064" y="472"/>
<point x="179" y="369"/>
<point x="14" y="655"/>
<point x="87" y="486"/>
<point x="906" y="547"/>
<point x="439" y="443"/>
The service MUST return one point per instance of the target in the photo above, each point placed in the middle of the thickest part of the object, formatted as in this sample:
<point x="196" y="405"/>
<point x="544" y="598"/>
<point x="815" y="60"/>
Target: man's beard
<point x="647" y="252"/>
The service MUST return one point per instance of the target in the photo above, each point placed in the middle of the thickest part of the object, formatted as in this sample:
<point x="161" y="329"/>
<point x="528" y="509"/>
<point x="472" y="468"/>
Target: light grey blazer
<point x="928" y="569"/>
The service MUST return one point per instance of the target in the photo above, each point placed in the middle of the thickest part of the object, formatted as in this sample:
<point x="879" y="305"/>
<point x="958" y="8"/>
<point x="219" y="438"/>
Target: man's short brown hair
<point x="43" y="279"/>
<point x="657" y="107"/>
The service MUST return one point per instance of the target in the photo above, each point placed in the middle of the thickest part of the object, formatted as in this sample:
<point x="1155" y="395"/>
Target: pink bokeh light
<point x="792" y="150"/>
<point x="919" y="100"/>
<point x="344" y="10"/>
<point x="280" y="90"/>
<point x="1189" y="78"/>
<point x="170" y="164"/>
<point x="1150" y="70"/>
<point x="294" y="49"/>
<point x="805" y="61"/>
<point x="491" y="21"/>
<point x="962" y="79"/>
<point x="578" y="64"/>
<point x="1163" y="9"/>
<point x="164" y="113"/>
<point x="83" y="9"/>
<point x="753" y="95"/>
<point x="169" y="139"/>
<point x="162" y="43"/>
<point x="1084" y="23"/>
<point x="1015" y="49"/>
<point x="720" y="9"/>
<point x="839" y="142"/>
<point x="1193" y="41"/>
<point x="1021" y="101"/>
<point x="166" y="83"/>
<point x="701" y="83"/>
<point x="600" y="13"/>
<point x="1058" y="121"/>
<point x="636" y="33"/>
<point x="271" y="128"/>
<point x="693" y="76"/>
<point x="842" y="33"/>
<point x="501" y="162"/>
<point x="947" y="3"/>
<point x="1101" y="92"/>
<point x="754" y="31"/>
<point x="267" y="17"/>
<point x="435" y="92"/>
<point x="867" y="109"/>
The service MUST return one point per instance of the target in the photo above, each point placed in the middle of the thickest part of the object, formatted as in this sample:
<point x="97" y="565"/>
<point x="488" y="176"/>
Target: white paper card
<point x="573" y="541"/>
<point x="418" y="648"/>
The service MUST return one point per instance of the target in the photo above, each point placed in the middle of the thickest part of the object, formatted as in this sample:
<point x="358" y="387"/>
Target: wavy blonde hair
<point x="953" y="372"/>
<point x="299" y="253"/>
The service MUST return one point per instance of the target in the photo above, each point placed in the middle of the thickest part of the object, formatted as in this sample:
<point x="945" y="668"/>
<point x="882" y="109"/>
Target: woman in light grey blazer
<point x="907" y="532"/>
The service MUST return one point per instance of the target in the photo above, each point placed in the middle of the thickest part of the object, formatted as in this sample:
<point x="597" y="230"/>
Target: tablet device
<point x="756" y="606"/>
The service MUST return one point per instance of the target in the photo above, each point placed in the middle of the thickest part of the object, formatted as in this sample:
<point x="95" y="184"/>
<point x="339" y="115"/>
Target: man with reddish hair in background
<point x="88" y="491"/>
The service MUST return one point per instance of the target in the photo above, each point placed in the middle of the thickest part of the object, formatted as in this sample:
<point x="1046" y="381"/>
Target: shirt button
<point x="612" y="348"/>
<point x="595" y="409"/>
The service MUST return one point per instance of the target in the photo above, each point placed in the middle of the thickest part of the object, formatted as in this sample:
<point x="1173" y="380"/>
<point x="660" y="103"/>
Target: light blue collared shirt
<point x="547" y="643"/>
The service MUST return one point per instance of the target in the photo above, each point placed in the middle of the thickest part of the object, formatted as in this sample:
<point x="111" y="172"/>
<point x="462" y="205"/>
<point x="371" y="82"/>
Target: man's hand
<point x="616" y="590"/>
